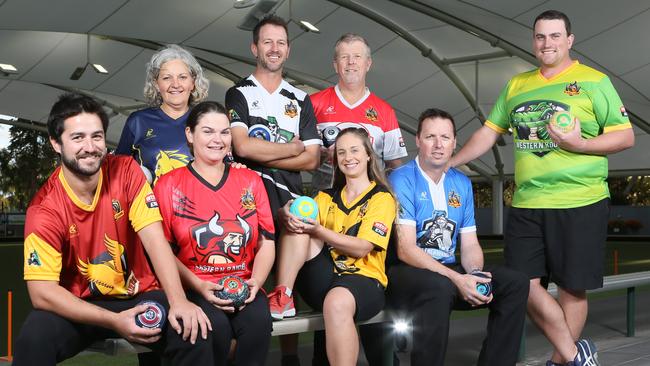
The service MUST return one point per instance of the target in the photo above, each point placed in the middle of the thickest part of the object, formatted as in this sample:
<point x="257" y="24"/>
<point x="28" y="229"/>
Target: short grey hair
<point x="169" y="53"/>
<point x="349" y="38"/>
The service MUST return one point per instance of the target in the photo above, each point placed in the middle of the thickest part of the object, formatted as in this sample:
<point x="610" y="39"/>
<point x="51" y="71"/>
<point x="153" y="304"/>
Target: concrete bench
<point x="312" y="321"/>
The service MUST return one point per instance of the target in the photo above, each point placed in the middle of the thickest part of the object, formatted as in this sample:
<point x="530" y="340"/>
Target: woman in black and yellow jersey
<point x="337" y="261"/>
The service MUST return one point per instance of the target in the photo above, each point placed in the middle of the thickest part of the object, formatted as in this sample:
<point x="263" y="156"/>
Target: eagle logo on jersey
<point x="572" y="89"/>
<point x="168" y="160"/>
<point x="107" y="273"/>
<point x="453" y="200"/>
<point x="291" y="109"/>
<point x="371" y="114"/>
<point x="117" y="209"/>
<point x="247" y="199"/>
<point x="221" y="241"/>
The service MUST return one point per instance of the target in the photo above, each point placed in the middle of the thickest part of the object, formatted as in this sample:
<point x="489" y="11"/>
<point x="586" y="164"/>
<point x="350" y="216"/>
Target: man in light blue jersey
<point x="436" y="222"/>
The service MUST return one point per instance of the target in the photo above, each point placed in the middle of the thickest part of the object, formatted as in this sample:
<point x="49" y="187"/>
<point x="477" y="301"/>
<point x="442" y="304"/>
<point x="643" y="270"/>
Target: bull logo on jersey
<point x="247" y="199"/>
<point x="371" y="114"/>
<point x="453" y="200"/>
<point x="221" y="241"/>
<point x="572" y="89"/>
<point x="291" y="109"/>
<point x="437" y="234"/>
<point x="169" y="160"/>
<point x="108" y="274"/>
<point x="529" y="121"/>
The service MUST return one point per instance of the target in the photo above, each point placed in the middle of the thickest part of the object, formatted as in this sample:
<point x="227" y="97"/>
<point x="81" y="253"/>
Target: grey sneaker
<point x="587" y="354"/>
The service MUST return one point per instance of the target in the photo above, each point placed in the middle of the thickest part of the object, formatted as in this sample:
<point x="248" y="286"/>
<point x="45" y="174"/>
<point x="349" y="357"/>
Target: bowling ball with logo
<point x="304" y="207"/>
<point x="329" y="135"/>
<point x="153" y="317"/>
<point x="235" y="289"/>
<point x="484" y="289"/>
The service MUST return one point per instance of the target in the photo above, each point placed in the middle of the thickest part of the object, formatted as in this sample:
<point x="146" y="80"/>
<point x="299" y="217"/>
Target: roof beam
<point x="431" y="55"/>
<point x="485" y="56"/>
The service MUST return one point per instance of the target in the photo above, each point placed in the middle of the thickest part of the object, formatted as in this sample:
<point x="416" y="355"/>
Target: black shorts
<point x="316" y="278"/>
<point x="565" y="246"/>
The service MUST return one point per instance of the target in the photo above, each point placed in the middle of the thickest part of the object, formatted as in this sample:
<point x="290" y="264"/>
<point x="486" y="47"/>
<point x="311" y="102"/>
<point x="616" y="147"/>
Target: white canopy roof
<point x="451" y="54"/>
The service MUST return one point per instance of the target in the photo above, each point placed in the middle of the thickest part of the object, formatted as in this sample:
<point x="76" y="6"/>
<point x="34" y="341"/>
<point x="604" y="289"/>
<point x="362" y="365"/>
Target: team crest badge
<point x="117" y="209"/>
<point x="291" y="109"/>
<point x="371" y="114"/>
<point x="363" y="209"/>
<point x="453" y="200"/>
<point x="233" y="115"/>
<point x="572" y="89"/>
<point x="247" y="199"/>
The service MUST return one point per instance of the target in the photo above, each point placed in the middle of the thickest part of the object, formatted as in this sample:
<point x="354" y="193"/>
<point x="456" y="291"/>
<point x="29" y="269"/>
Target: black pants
<point x="47" y="338"/>
<point x="429" y="298"/>
<point x="251" y="327"/>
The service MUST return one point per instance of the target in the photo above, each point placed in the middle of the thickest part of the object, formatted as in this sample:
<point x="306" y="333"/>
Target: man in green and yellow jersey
<point x="557" y="226"/>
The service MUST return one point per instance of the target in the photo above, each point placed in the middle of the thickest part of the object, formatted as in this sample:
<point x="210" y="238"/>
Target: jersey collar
<point x="73" y="197"/>
<point x="345" y="102"/>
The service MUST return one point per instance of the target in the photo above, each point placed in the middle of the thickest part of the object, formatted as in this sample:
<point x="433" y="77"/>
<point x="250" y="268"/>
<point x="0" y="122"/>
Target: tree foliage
<point x="24" y="166"/>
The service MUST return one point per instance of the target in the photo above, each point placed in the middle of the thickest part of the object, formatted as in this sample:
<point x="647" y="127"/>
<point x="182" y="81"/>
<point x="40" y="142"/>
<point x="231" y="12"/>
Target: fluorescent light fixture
<point x="309" y="27"/>
<point x="8" y="69"/>
<point x="242" y="4"/>
<point x="100" y="69"/>
<point x="400" y="326"/>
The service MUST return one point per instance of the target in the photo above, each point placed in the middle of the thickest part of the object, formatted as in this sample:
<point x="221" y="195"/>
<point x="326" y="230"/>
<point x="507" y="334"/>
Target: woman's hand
<point x="253" y="287"/>
<point x="291" y="222"/>
<point x="207" y="290"/>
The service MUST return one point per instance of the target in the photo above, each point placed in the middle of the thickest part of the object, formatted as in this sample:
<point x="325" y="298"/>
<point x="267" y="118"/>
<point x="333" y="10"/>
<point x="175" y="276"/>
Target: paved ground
<point x="606" y="326"/>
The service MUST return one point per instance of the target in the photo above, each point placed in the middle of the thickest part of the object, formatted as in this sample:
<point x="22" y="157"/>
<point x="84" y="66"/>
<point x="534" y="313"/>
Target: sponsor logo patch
<point x="233" y="115"/>
<point x="34" y="259"/>
<point x="150" y="201"/>
<point x="73" y="230"/>
<point x="380" y="228"/>
<point x="401" y="142"/>
<point x="623" y="112"/>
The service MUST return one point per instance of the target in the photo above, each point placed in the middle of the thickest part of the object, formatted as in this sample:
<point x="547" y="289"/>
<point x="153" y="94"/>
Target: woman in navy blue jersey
<point x="155" y="136"/>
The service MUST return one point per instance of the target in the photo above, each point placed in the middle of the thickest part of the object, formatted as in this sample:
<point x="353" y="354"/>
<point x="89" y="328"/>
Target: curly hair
<point x="168" y="53"/>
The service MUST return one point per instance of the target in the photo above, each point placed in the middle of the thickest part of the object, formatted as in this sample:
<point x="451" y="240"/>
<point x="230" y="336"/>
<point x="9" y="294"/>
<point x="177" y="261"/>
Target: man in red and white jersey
<point x="350" y="104"/>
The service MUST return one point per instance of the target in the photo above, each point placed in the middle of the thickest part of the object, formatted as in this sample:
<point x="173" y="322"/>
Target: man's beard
<point x="73" y="164"/>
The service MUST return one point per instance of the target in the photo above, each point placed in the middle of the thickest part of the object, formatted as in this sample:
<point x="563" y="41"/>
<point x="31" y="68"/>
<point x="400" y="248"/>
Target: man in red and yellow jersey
<point x="90" y="233"/>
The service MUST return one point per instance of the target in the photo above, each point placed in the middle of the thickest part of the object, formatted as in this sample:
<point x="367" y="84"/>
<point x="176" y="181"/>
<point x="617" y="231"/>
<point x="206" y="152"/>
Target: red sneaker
<point x="281" y="304"/>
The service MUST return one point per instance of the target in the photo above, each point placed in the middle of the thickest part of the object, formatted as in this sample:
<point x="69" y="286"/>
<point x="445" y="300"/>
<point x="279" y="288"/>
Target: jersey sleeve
<point x="608" y="107"/>
<point x="308" y="131"/>
<point x="125" y="146"/>
<point x="237" y="108"/>
<point x="403" y="189"/>
<point x="263" y="207"/>
<point x="394" y="146"/>
<point x="377" y="223"/>
<point x="499" y="119"/>
<point x="42" y="247"/>
<point x="163" y="191"/>
<point x="143" y="207"/>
